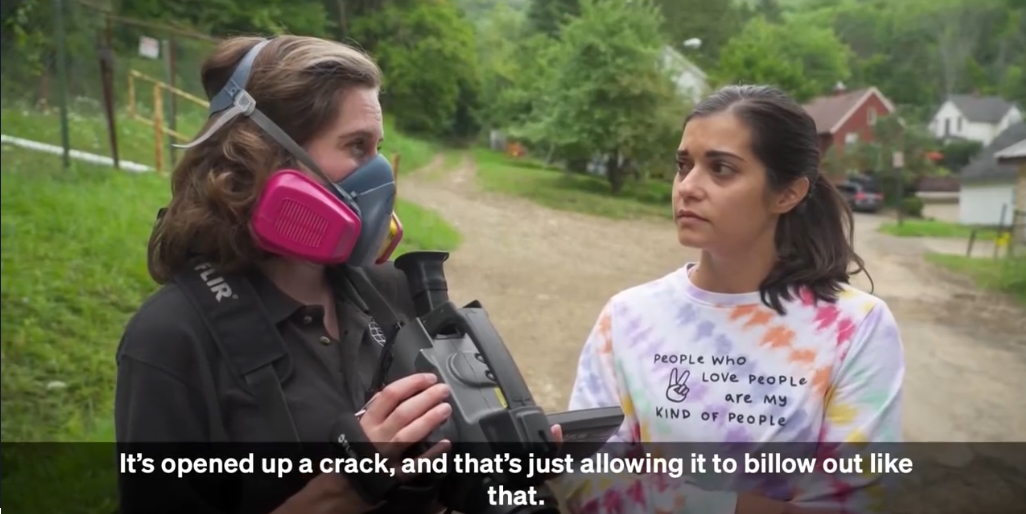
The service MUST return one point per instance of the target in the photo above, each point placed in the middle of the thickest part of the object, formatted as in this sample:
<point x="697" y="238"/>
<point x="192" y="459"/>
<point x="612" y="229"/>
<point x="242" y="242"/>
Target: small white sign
<point x="149" y="47"/>
<point x="898" y="159"/>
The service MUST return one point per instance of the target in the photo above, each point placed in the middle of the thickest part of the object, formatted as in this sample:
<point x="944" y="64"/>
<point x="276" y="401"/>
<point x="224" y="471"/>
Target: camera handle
<point x="522" y="420"/>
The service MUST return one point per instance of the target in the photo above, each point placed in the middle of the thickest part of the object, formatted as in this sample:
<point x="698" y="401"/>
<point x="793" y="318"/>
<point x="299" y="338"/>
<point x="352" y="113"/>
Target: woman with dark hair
<point x="762" y="340"/>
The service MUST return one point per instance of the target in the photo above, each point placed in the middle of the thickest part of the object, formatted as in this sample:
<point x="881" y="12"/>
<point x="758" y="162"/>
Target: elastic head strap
<point x="233" y="100"/>
<point x="225" y="98"/>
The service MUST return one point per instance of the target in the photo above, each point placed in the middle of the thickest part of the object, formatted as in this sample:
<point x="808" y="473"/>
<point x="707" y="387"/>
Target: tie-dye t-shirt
<point x="688" y="365"/>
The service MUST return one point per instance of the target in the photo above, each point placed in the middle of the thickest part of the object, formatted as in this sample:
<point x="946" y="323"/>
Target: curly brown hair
<point x="298" y="82"/>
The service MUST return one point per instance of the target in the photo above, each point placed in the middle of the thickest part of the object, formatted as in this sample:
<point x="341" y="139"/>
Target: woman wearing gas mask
<point x="763" y="340"/>
<point x="280" y="225"/>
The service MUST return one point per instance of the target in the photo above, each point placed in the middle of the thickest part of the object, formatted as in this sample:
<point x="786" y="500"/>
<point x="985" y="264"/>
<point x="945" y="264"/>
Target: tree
<point x="607" y="94"/>
<point x="918" y="50"/>
<point x="712" y="22"/>
<point x="769" y="9"/>
<point x="958" y="153"/>
<point x="27" y="25"/>
<point x="547" y="16"/>
<point x="233" y="16"/>
<point x="426" y="51"/>
<point x="803" y="59"/>
<point x="501" y="46"/>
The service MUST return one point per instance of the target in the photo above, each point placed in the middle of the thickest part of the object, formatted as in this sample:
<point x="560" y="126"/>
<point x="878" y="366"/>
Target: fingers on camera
<point x="418" y="416"/>
<point x="397" y="392"/>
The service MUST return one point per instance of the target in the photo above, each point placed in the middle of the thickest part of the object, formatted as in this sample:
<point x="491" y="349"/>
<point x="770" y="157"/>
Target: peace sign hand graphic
<point x="677" y="390"/>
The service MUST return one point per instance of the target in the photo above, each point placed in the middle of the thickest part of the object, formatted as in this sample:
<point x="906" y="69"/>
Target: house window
<point x="947" y="126"/>
<point x="851" y="138"/>
<point x="959" y="125"/>
<point x="871" y="115"/>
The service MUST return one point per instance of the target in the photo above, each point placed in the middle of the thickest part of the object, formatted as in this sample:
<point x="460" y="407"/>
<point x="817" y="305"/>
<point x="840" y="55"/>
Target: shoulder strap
<point x="388" y="317"/>
<point x="245" y="336"/>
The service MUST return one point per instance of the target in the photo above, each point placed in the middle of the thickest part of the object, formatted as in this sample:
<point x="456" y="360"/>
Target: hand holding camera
<point x="404" y="413"/>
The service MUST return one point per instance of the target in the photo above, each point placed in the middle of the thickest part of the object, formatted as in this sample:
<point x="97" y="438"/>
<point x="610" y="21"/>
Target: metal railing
<point x="1009" y="236"/>
<point x="157" y="120"/>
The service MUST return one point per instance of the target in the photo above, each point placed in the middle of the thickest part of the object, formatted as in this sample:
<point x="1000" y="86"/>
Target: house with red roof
<point x="846" y="117"/>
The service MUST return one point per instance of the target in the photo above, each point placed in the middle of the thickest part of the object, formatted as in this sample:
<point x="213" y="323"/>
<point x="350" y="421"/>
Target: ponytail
<point x="815" y="244"/>
<point x="815" y="240"/>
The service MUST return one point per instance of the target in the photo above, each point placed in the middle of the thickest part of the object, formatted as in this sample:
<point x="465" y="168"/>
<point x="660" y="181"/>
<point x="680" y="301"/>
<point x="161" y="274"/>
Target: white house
<point x="975" y="118"/>
<point x="988" y="193"/>
<point x="692" y="82"/>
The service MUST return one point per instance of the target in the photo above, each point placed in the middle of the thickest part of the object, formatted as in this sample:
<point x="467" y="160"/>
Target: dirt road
<point x="965" y="350"/>
<point x="544" y="275"/>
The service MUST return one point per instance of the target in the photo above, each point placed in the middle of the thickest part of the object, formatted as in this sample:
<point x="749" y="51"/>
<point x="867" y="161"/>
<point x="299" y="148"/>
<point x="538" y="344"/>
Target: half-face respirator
<point x="352" y="221"/>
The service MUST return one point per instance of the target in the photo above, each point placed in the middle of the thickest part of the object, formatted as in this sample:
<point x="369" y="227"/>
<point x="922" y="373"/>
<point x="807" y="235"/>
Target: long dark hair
<point x="814" y="241"/>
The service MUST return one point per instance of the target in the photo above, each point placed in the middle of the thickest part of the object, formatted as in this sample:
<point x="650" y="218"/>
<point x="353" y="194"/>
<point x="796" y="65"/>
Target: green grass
<point x="935" y="228"/>
<point x="571" y="192"/>
<point x="1006" y="275"/>
<point x="136" y="140"/>
<point x="67" y="478"/>
<point x="424" y="229"/>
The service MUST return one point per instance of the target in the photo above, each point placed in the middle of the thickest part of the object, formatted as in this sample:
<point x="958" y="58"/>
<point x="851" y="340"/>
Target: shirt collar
<point x="281" y="306"/>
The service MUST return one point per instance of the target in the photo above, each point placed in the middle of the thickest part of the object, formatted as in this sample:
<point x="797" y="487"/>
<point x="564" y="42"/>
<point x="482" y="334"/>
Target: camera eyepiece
<point x="425" y="274"/>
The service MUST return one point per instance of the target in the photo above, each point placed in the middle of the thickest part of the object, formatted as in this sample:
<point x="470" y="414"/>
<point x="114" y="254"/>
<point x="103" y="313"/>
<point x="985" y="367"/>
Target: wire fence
<point x="1009" y="237"/>
<point x="110" y="66"/>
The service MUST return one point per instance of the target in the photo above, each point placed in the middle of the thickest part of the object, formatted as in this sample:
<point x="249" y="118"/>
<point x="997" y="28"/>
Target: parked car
<point x="862" y="195"/>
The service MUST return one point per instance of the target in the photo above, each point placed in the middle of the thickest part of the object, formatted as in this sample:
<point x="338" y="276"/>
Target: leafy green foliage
<point x="714" y="23"/>
<point x="918" y="51"/>
<point x="426" y="51"/>
<point x="232" y="16"/>
<point x="548" y="16"/>
<point x="958" y="153"/>
<point x="605" y="92"/>
<point x="804" y="59"/>
<point x="912" y="206"/>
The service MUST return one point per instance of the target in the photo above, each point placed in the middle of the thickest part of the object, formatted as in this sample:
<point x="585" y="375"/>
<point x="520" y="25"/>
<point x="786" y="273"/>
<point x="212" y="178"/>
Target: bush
<point x="912" y="206"/>
<point x="958" y="153"/>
